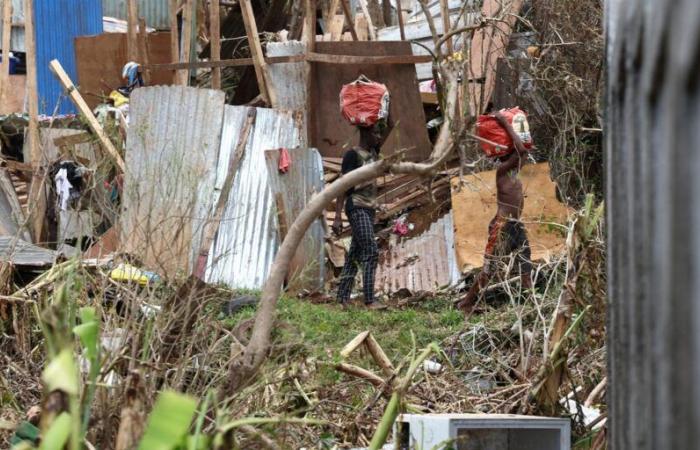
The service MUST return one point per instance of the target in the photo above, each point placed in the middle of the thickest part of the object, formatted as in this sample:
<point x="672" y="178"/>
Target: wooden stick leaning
<point x="261" y="69"/>
<point x="84" y="109"/>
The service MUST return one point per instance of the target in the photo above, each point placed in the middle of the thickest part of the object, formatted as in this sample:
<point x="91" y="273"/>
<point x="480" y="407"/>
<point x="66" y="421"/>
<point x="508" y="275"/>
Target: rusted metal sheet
<point x="420" y="264"/>
<point x="247" y="240"/>
<point x="292" y="192"/>
<point x="172" y="148"/>
<point x="330" y="132"/>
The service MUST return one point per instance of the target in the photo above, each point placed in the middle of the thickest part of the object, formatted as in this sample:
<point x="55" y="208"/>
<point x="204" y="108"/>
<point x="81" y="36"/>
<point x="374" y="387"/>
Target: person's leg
<point x="347" y="276"/>
<point x="490" y="262"/>
<point x="368" y="253"/>
<point x="524" y="258"/>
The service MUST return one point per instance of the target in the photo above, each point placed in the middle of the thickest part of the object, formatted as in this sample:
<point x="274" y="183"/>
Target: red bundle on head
<point x="364" y="102"/>
<point x="488" y="128"/>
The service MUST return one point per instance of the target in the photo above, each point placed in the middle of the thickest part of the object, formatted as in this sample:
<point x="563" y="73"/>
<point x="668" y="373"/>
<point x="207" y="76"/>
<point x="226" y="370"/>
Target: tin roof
<point x="156" y="12"/>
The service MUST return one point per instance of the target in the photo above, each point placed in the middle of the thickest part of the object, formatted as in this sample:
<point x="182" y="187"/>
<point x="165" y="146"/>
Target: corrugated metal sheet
<point x="156" y="12"/>
<point x="22" y="253"/>
<point x="58" y="23"/>
<point x="289" y="80"/>
<point x="247" y="240"/>
<point x="419" y="32"/>
<point x="294" y="189"/>
<point x="420" y="264"/>
<point x="172" y="153"/>
<point x="17" y="42"/>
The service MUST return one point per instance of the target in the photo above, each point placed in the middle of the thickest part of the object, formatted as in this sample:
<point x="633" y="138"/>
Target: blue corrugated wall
<point x="57" y="24"/>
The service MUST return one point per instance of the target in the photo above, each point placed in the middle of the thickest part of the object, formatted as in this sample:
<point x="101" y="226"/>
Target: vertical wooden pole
<point x="143" y="49"/>
<point x="6" y="35"/>
<point x="174" y="39"/>
<point x="37" y="199"/>
<point x="215" y="34"/>
<point x="186" y="41"/>
<point x="445" y="13"/>
<point x="309" y="39"/>
<point x="401" y="27"/>
<point x="370" y="24"/>
<point x="132" y="16"/>
<point x="261" y="69"/>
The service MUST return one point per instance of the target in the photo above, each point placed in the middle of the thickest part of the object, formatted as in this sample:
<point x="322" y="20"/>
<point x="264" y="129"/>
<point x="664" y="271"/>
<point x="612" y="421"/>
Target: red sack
<point x="488" y="127"/>
<point x="364" y="102"/>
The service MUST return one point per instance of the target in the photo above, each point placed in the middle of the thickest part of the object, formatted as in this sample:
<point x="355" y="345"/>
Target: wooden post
<point x="37" y="199"/>
<point x="174" y="38"/>
<point x="184" y="76"/>
<point x="143" y="50"/>
<point x="6" y="35"/>
<point x="401" y="27"/>
<point x="132" y="15"/>
<point x="84" y="109"/>
<point x="445" y="13"/>
<point x="261" y="68"/>
<point x="330" y="14"/>
<point x="215" y="34"/>
<point x="348" y="19"/>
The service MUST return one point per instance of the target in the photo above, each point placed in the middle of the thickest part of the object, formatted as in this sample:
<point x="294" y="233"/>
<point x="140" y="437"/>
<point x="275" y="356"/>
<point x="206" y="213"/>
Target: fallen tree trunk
<point x="245" y="366"/>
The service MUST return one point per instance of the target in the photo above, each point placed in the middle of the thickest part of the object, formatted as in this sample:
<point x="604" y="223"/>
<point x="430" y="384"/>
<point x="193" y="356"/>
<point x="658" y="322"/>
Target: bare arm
<point x="519" y="147"/>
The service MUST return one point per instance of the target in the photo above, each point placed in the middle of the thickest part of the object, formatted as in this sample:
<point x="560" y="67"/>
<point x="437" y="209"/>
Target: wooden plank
<point x="184" y="75"/>
<point x="212" y="226"/>
<point x="368" y="18"/>
<point x="256" y="51"/>
<point x="368" y="60"/>
<point x="348" y="18"/>
<point x="281" y="216"/>
<point x="72" y="139"/>
<point x="84" y="109"/>
<point x="400" y="17"/>
<point x="227" y="63"/>
<point x="445" y="13"/>
<point x="215" y="40"/>
<point x="174" y="37"/>
<point x="6" y="36"/>
<point x="361" y="27"/>
<point x="37" y="197"/>
<point x="332" y="10"/>
<point x="132" y="22"/>
<point x="429" y="98"/>
<point x="336" y="27"/>
<point x="143" y="50"/>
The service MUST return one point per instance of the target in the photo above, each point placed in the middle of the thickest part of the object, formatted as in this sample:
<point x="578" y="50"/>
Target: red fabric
<point x="364" y="102"/>
<point x="488" y="127"/>
<point x="285" y="160"/>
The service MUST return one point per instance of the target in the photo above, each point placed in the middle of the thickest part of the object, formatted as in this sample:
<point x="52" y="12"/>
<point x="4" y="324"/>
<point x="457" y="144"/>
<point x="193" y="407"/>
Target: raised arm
<point x="517" y="143"/>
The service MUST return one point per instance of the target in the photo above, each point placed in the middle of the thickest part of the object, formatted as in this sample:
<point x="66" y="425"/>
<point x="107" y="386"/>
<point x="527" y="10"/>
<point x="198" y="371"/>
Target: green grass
<point x="323" y="329"/>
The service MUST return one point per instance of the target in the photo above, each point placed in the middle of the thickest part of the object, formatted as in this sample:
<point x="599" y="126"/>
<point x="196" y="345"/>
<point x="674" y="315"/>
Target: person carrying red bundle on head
<point x="365" y="104"/>
<point x="507" y="235"/>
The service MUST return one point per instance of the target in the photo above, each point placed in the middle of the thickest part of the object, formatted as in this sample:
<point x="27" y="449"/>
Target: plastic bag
<point x="364" y="102"/>
<point x="488" y="127"/>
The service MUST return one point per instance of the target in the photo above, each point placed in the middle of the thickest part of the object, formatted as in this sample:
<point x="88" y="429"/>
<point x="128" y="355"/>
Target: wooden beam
<point x="132" y="20"/>
<point x="281" y="216"/>
<point x="330" y="13"/>
<point x="374" y="60"/>
<point x="348" y="18"/>
<point x="184" y="75"/>
<point x="226" y="63"/>
<point x="6" y="37"/>
<point x="261" y="69"/>
<point x="335" y="27"/>
<point x="401" y="26"/>
<point x="174" y="37"/>
<point x="215" y="39"/>
<point x="445" y="13"/>
<point x="84" y="109"/>
<point x="37" y="199"/>
<point x="72" y="139"/>
<point x="309" y="29"/>
<point x="143" y="50"/>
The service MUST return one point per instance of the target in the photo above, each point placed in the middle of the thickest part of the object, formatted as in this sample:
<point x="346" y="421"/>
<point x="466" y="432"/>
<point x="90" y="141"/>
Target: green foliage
<point x="169" y="421"/>
<point x="61" y="373"/>
<point x="57" y="434"/>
